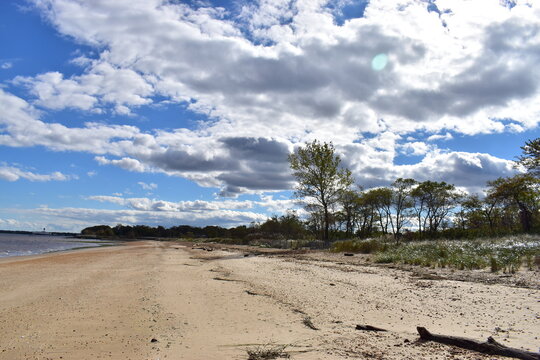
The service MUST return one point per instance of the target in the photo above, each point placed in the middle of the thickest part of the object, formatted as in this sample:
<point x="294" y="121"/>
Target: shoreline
<point x="107" y="244"/>
<point x="113" y="302"/>
<point x="83" y="246"/>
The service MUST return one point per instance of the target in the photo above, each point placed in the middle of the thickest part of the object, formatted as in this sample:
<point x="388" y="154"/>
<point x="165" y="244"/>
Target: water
<point x="24" y="244"/>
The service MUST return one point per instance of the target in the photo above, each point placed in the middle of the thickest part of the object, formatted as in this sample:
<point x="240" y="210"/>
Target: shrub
<point x="359" y="246"/>
<point x="494" y="264"/>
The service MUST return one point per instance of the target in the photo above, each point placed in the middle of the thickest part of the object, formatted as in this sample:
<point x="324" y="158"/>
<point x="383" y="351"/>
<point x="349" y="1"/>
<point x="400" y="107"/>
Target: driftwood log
<point x="490" y="347"/>
<point x="202" y="248"/>
<point x="368" y="328"/>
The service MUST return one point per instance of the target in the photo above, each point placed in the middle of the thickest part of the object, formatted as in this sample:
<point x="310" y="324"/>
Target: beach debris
<point x="267" y="352"/>
<point x="223" y="279"/>
<point x="202" y="248"/>
<point x="369" y="328"/>
<point x="490" y="347"/>
<point x="348" y="254"/>
<point x="307" y="321"/>
<point x="154" y="340"/>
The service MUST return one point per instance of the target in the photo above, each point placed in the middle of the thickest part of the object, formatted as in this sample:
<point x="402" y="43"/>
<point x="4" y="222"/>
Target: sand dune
<point x="151" y="300"/>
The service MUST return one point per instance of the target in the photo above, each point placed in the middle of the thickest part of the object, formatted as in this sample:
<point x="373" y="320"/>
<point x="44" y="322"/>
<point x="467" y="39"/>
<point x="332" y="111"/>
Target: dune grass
<point x="360" y="246"/>
<point x="507" y="254"/>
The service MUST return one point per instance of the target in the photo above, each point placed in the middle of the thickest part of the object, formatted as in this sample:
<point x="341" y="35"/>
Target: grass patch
<point x="359" y="246"/>
<point x="507" y="254"/>
<point x="267" y="352"/>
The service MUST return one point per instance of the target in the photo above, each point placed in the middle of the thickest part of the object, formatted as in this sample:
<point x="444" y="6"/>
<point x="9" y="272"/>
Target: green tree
<point x="522" y="191"/>
<point x="531" y="156"/>
<point x="320" y="178"/>
<point x="433" y="203"/>
<point x="350" y="203"/>
<point x="366" y="215"/>
<point x="99" y="231"/>
<point x="401" y="204"/>
<point x="315" y="221"/>
<point x="381" y="199"/>
<point x="481" y="213"/>
<point x="288" y="226"/>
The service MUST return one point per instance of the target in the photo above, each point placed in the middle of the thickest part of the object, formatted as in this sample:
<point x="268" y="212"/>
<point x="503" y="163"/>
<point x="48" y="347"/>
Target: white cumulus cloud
<point x="12" y="173"/>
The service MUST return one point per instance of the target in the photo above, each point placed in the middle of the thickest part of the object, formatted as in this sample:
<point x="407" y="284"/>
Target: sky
<point x="183" y="112"/>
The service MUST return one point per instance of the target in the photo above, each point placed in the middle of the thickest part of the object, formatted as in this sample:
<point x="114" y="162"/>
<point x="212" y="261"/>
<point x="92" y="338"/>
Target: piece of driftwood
<point x="368" y="328"/>
<point x="202" y="248"/>
<point x="307" y="321"/>
<point x="490" y="347"/>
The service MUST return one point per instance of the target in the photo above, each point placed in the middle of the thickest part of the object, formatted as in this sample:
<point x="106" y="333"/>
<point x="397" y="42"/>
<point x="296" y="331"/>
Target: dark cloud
<point x="258" y="149"/>
<point x="181" y="160"/>
<point x="264" y="165"/>
<point x="374" y="176"/>
<point x="511" y="36"/>
<point x="284" y="75"/>
<point x="243" y="163"/>
<point x="257" y="180"/>
<point x="490" y="86"/>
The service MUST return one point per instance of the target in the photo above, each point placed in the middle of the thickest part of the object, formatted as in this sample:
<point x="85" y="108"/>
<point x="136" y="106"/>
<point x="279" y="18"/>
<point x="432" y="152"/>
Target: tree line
<point x="412" y="209"/>
<point x="407" y="209"/>
<point x="288" y="226"/>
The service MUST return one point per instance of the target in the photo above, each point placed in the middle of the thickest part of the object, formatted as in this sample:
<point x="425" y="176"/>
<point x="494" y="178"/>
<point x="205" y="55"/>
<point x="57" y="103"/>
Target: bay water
<point x="30" y="244"/>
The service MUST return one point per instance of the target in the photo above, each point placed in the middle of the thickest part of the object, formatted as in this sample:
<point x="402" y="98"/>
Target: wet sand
<point x="151" y="300"/>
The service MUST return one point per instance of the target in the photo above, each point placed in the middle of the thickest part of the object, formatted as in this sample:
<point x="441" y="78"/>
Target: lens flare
<point x="379" y="62"/>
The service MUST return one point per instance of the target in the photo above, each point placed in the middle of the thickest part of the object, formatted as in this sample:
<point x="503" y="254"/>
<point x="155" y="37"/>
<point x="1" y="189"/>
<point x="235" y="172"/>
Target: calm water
<point x="22" y="244"/>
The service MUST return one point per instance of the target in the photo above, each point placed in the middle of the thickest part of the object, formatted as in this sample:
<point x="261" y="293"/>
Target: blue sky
<point x="167" y="113"/>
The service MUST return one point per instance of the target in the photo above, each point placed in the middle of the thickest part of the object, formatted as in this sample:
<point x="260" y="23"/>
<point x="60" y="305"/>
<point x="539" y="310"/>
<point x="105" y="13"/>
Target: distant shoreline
<point x="27" y="232"/>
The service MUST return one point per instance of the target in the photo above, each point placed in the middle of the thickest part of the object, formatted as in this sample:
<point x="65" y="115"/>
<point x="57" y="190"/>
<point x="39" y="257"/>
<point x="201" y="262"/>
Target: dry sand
<point x="151" y="300"/>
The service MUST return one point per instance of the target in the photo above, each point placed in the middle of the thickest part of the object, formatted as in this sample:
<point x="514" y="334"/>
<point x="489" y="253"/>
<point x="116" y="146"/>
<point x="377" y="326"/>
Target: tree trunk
<point x="490" y="347"/>
<point x="326" y="223"/>
<point x="349" y="222"/>
<point x="525" y="217"/>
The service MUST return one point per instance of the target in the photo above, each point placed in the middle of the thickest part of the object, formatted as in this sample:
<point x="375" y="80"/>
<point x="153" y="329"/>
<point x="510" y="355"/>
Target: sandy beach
<point x="152" y="300"/>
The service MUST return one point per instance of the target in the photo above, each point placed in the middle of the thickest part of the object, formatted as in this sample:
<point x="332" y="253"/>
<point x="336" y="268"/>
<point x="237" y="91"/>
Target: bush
<point x="359" y="246"/>
<point x="494" y="264"/>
